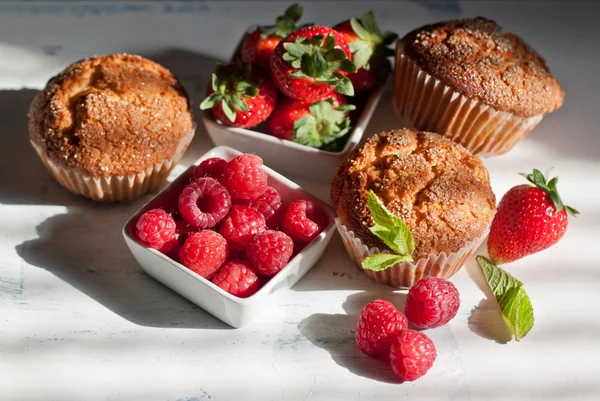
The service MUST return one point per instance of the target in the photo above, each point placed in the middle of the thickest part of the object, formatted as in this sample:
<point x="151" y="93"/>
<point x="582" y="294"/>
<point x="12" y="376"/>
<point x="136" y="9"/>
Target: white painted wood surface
<point x="80" y="321"/>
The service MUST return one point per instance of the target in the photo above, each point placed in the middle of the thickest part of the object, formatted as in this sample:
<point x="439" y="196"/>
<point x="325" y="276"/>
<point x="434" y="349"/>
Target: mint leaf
<point x="393" y="232"/>
<point x="511" y="296"/>
<point x="382" y="261"/>
<point x="384" y="218"/>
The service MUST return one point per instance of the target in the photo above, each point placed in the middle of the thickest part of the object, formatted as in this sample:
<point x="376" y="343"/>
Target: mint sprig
<point x="393" y="232"/>
<point x="511" y="297"/>
<point x="324" y="125"/>
<point x="544" y="182"/>
<point x="319" y="59"/>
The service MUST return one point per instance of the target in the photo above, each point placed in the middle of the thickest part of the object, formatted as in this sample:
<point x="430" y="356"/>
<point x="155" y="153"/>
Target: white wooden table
<point x="80" y="321"/>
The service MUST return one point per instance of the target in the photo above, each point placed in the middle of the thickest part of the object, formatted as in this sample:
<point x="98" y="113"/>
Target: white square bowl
<point x="288" y="156"/>
<point x="237" y="312"/>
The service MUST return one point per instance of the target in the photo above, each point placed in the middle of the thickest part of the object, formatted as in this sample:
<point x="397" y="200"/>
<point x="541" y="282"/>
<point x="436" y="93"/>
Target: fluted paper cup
<point x="115" y="188"/>
<point x="406" y="274"/>
<point x="428" y="104"/>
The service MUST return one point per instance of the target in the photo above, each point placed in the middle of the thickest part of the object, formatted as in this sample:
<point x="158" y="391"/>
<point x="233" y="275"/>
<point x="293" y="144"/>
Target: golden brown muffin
<point x="440" y="190"/>
<point x="107" y="116"/>
<point x="476" y="58"/>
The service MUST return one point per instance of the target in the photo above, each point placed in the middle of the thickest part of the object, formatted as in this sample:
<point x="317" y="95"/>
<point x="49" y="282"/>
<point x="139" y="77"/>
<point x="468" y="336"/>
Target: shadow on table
<point x="335" y="334"/>
<point x="84" y="247"/>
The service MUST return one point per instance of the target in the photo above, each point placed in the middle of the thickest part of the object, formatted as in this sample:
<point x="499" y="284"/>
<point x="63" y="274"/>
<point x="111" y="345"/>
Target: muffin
<point x="112" y="127"/>
<point x="471" y="82"/>
<point x="439" y="190"/>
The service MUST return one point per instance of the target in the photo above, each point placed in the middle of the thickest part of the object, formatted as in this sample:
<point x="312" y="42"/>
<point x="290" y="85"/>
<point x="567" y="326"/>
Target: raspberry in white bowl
<point x="229" y="232"/>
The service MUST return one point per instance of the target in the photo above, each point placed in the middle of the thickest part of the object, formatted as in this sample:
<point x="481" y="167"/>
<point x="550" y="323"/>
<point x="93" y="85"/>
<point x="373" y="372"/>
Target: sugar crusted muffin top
<point x="480" y="61"/>
<point x="440" y="190"/>
<point x="111" y="115"/>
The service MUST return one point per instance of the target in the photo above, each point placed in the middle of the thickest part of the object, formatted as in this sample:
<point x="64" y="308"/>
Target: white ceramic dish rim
<point x="207" y="283"/>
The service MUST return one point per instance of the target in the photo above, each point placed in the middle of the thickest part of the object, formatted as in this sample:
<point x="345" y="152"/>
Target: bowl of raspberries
<point x="299" y="96"/>
<point x="229" y="232"/>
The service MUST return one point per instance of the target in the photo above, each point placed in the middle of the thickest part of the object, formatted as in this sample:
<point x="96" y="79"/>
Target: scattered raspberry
<point x="204" y="202"/>
<point x="237" y="278"/>
<point x="241" y="225"/>
<point x="157" y="229"/>
<point x="411" y="354"/>
<point x="244" y="178"/>
<point x="379" y="322"/>
<point x="269" y="251"/>
<point x="269" y="204"/>
<point x="432" y="302"/>
<point x="204" y="252"/>
<point x="303" y="220"/>
<point x="213" y="167"/>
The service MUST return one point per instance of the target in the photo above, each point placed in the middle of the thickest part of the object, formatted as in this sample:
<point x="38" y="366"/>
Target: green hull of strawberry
<point x="288" y="111"/>
<point x="317" y="76"/>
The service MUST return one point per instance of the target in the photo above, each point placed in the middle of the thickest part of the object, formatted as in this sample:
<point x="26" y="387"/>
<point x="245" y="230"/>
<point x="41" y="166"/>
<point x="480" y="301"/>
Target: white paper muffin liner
<point x="406" y="274"/>
<point x="427" y="104"/>
<point x="114" y="188"/>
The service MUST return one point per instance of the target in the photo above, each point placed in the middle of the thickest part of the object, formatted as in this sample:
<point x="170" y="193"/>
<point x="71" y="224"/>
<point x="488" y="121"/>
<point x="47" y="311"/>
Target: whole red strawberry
<point x="241" y="95"/>
<point x="369" y="49"/>
<point x="529" y="219"/>
<point x="258" y="46"/>
<point x="377" y="325"/>
<point x="312" y="63"/>
<point x="411" y="354"/>
<point x="311" y="124"/>
<point x="432" y="302"/>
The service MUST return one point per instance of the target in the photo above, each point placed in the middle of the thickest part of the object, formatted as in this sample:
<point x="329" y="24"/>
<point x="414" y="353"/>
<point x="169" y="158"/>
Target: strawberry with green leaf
<point x="311" y="63"/>
<point x="312" y="124"/>
<point x="241" y="95"/>
<point x="259" y="45"/>
<point x="393" y="232"/>
<point x="370" y="51"/>
<point x="529" y="219"/>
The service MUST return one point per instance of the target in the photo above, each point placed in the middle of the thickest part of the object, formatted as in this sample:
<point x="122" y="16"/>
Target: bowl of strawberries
<point x="228" y="233"/>
<point x="300" y="97"/>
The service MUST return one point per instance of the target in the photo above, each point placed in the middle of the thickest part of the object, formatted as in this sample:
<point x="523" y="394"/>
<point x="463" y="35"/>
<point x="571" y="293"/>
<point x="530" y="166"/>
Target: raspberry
<point x="204" y="202"/>
<point x="378" y="323"/>
<point x="204" y="252"/>
<point x="237" y="278"/>
<point x="213" y="167"/>
<point x="269" y="204"/>
<point x="432" y="302"/>
<point x="303" y="220"/>
<point x="157" y="229"/>
<point x="244" y="178"/>
<point x="241" y="225"/>
<point x="411" y="354"/>
<point x="269" y="251"/>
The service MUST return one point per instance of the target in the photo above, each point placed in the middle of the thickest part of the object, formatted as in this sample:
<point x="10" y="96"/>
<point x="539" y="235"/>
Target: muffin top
<point x="440" y="190"/>
<point x="111" y="115"/>
<point x="477" y="59"/>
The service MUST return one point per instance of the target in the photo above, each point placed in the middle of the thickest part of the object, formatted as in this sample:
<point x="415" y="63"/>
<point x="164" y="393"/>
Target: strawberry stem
<point x="544" y="182"/>
<point x="230" y="85"/>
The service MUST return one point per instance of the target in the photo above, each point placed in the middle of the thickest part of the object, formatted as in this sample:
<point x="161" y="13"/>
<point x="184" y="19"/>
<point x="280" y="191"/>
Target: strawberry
<point x="258" y="46"/>
<point x="529" y="219"/>
<point x="241" y="95"/>
<point x="311" y="63"/>
<point x="369" y="49"/>
<point x="312" y="124"/>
